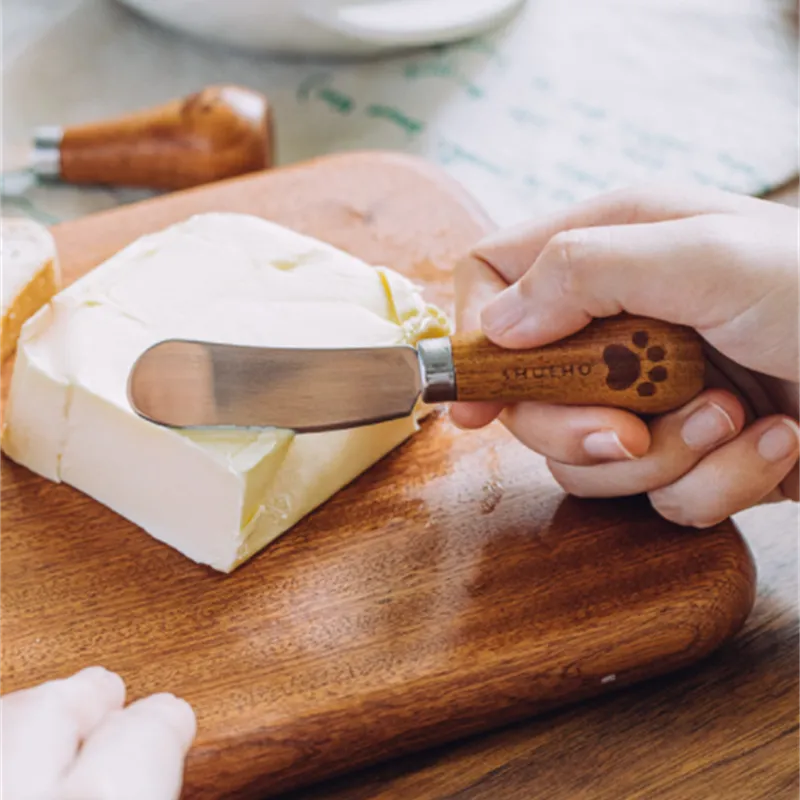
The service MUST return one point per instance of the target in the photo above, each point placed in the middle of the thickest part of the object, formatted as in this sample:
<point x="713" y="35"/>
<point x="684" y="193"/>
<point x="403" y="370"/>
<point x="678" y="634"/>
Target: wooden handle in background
<point x="642" y="365"/>
<point x="220" y="132"/>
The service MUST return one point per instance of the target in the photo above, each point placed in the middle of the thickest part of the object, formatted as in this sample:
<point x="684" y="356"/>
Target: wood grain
<point x="726" y="728"/>
<point x="450" y="589"/>
<point x="642" y="365"/>
<point x="219" y="132"/>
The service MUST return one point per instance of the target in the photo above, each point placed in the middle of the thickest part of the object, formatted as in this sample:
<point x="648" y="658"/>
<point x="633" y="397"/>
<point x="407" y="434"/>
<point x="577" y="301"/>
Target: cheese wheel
<point x="30" y="275"/>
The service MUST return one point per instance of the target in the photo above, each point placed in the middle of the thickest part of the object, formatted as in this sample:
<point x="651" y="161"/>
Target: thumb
<point x="696" y="272"/>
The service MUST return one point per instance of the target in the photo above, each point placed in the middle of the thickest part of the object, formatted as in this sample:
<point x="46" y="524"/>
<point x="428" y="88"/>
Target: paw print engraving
<point x="626" y="366"/>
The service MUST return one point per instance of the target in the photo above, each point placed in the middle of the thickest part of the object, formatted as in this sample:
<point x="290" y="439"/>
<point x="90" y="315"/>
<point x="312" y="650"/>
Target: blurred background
<point x="545" y="103"/>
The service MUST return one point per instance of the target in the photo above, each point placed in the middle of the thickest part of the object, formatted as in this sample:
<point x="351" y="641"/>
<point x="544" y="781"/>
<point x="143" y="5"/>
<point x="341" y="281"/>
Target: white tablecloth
<point x="572" y="98"/>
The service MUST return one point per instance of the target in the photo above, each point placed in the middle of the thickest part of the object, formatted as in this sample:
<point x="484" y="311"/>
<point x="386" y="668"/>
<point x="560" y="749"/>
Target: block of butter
<point x="216" y="496"/>
<point x="30" y="275"/>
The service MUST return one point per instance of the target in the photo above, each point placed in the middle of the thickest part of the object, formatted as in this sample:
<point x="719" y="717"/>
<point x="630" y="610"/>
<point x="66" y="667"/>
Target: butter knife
<point x="645" y="366"/>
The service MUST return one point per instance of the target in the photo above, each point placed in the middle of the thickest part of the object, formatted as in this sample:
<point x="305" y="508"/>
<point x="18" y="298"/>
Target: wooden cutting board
<point x="450" y="589"/>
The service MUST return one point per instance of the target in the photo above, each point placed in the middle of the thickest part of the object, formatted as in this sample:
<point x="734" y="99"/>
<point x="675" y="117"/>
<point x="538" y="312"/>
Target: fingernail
<point x="709" y="425"/>
<point x="175" y="711"/>
<point x="504" y="312"/>
<point x="606" y="446"/>
<point x="780" y="441"/>
<point x="104" y="680"/>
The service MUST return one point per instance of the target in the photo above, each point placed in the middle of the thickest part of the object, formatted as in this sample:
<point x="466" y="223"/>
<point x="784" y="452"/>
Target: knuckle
<point x="634" y="201"/>
<point x="564" y="257"/>
<point x="567" y="247"/>
<point x="642" y="201"/>
<point x="571" y="256"/>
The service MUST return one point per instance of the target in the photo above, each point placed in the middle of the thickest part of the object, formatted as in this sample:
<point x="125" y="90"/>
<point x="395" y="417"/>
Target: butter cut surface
<point x="216" y="496"/>
<point x="30" y="276"/>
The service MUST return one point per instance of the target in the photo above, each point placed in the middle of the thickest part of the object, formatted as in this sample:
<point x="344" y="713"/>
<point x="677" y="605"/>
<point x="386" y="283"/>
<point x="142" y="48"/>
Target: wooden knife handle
<point x="219" y="132"/>
<point x="642" y="365"/>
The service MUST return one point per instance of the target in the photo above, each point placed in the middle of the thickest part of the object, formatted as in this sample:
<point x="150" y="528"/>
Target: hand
<point x="723" y="264"/>
<point x="71" y="739"/>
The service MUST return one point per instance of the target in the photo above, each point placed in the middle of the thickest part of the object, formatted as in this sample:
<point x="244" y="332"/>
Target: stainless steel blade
<point x="16" y="183"/>
<point x="187" y="384"/>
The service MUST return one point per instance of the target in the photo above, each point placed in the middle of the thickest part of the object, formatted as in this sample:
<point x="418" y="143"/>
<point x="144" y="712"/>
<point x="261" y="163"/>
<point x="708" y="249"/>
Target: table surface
<point x="726" y="728"/>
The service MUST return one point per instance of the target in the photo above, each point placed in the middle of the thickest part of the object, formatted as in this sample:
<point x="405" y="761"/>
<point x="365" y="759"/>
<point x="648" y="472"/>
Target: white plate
<point x="328" y="27"/>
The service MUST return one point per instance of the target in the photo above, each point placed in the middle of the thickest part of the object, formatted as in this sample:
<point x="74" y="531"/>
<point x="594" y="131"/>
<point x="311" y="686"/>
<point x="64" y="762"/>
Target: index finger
<point x="511" y="252"/>
<point x="476" y="284"/>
